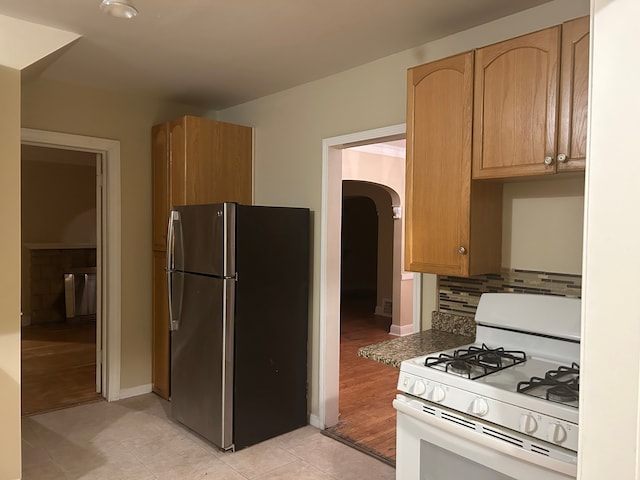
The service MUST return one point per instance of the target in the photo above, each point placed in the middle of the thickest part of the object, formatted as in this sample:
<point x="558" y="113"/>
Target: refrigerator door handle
<point x="173" y="288"/>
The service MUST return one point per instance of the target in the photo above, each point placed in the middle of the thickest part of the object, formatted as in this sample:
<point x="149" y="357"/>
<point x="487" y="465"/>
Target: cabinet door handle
<point x="548" y="160"/>
<point x="462" y="251"/>
<point x="562" y="157"/>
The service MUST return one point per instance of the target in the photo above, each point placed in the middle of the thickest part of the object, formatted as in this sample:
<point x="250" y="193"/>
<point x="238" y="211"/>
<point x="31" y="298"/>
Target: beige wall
<point x="542" y="223"/>
<point x="58" y="206"/>
<point x="389" y="172"/>
<point x="58" y="202"/>
<point x="290" y="125"/>
<point x="9" y="278"/>
<point x="84" y="111"/>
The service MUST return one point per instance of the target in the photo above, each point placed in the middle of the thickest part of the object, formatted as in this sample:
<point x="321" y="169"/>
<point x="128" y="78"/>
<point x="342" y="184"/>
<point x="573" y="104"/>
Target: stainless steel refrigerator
<point x="238" y="279"/>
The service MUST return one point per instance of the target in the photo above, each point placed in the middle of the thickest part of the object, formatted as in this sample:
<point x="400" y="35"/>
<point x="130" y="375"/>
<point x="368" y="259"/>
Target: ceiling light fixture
<point x="119" y="8"/>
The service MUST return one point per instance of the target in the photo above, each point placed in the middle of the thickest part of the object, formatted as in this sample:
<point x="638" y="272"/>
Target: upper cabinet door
<point x="211" y="162"/>
<point x="574" y="85"/>
<point x="439" y="125"/>
<point x="515" y="106"/>
<point x="160" y="172"/>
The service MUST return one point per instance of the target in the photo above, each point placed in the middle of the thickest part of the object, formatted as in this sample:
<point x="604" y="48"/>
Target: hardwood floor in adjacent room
<point x="58" y="365"/>
<point x="367" y="388"/>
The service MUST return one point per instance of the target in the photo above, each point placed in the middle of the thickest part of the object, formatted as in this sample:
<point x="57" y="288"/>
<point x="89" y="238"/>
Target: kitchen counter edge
<point x="393" y="352"/>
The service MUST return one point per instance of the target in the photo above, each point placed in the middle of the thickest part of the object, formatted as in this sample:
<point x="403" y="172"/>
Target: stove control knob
<point x="528" y="424"/>
<point x="438" y="394"/>
<point x="480" y="407"/>
<point x="418" y="388"/>
<point x="556" y="433"/>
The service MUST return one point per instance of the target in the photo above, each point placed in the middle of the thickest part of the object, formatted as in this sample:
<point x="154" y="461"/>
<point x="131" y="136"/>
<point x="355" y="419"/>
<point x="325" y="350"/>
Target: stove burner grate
<point x="476" y="362"/>
<point x="561" y="385"/>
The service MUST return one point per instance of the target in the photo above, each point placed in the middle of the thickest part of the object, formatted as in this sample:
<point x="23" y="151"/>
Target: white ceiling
<point x="218" y="53"/>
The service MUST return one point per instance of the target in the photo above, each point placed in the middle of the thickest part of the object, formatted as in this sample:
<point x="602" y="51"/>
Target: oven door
<point x="431" y="448"/>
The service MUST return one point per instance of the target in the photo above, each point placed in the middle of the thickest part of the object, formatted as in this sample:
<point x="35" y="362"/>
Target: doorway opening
<point x="106" y="160"/>
<point x="60" y="325"/>
<point x="363" y="158"/>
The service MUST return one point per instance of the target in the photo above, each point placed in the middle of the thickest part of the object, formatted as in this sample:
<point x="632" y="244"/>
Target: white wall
<point x="290" y="125"/>
<point x="609" y="403"/>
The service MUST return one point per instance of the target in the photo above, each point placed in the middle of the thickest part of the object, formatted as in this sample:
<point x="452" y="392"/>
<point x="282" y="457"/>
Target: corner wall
<point x="59" y="107"/>
<point x="10" y="461"/>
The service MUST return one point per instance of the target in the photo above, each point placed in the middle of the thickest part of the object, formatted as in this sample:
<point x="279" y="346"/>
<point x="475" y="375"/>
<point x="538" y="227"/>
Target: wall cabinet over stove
<point x="512" y="110"/>
<point x="195" y="160"/>
<point x="530" y="103"/>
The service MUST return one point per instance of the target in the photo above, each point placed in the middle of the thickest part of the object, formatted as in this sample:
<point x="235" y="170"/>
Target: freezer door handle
<point x="174" y="279"/>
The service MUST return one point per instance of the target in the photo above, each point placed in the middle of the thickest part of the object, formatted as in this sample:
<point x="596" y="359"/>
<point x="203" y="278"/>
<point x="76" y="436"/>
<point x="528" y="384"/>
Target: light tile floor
<point x="135" y="439"/>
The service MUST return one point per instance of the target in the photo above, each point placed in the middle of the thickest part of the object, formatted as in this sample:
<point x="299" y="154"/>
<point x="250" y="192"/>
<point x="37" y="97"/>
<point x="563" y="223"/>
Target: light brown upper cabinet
<point x="194" y="160"/>
<point x="515" y="106"/>
<point x="453" y="227"/>
<point x="530" y="103"/>
<point x="574" y="91"/>
<point x="198" y="160"/>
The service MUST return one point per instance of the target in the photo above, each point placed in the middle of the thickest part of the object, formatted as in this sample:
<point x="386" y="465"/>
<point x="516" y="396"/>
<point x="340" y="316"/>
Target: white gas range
<point x="506" y="406"/>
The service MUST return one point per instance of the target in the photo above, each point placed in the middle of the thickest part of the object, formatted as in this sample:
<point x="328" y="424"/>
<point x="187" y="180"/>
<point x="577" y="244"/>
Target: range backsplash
<point x="460" y="296"/>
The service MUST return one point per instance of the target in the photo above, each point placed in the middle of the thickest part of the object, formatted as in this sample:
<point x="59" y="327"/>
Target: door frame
<point x="109" y="245"/>
<point x="330" y="241"/>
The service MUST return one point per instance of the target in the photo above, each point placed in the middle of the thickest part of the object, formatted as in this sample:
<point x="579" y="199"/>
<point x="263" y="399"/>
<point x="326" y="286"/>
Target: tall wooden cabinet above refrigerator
<point x="195" y="160"/>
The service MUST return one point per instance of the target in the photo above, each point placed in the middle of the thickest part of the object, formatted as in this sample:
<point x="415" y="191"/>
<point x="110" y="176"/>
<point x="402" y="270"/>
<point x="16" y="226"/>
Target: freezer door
<point x="202" y="359"/>
<point x="205" y="239"/>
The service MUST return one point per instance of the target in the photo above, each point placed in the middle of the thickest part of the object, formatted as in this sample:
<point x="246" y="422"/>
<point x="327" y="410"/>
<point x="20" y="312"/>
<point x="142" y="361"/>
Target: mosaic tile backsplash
<point x="460" y="296"/>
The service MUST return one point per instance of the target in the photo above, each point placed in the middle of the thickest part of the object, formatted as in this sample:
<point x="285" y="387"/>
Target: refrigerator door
<point x="204" y="239"/>
<point x="202" y="359"/>
<point x="271" y="320"/>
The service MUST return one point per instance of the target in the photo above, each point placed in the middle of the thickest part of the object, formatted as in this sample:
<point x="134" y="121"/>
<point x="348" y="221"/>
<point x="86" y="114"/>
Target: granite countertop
<point x="392" y="352"/>
<point x="449" y="331"/>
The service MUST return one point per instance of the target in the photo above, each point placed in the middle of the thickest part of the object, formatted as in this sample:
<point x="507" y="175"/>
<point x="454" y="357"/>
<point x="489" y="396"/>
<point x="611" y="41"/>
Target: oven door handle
<point x="485" y="440"/>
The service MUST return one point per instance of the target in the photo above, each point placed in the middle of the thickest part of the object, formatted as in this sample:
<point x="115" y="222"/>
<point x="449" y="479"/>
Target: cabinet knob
<point x="548" y="160"/>
<point x="562" y="157"/>
<point x="462" y="251"/>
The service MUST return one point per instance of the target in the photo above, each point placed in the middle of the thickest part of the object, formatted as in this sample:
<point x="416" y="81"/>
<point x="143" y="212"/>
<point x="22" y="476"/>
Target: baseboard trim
<point x="401" y="330"/>
<point x="380" y="312"/>
<point x="134" y="391"/>
<point x="314" y="421"/>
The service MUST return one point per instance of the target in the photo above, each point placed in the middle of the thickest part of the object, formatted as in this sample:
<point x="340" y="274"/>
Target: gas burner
<point x="561" y="385"/>
<point x="476" y="362"/>
<point x="459" y="367"/>
<point x="562" y="394"/>
<point x="490" y="358"/>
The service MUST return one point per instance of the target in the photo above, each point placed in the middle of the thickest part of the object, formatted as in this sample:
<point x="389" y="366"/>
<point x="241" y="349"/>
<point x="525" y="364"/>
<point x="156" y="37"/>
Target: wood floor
<point x="58" y="365"/>
<point x="367" y="388"/>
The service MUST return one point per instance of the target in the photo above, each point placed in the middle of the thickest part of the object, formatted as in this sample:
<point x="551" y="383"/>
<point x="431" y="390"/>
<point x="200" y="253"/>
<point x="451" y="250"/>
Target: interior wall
<point x="10" y="462"/>
<point x="610" y="422"/>
<point x="58" y="206"/>
<point x="542" y="223"/>
<point x="54" y="106"/>
<point x="389" y="171"/>
<point x="290" y="125"/>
